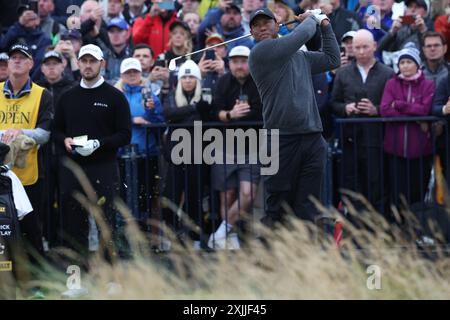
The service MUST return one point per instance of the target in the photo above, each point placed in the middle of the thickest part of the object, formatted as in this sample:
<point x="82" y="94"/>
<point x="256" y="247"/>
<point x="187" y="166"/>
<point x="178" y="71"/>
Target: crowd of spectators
<point x="394" y="63"/>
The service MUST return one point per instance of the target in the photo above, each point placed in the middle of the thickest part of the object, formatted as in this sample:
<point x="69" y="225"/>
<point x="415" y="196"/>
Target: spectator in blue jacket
<point x="27" y="31"/>
<point x="134" y="87"/>
<point x="227" y="21"/>
<point x="145" y="109"/>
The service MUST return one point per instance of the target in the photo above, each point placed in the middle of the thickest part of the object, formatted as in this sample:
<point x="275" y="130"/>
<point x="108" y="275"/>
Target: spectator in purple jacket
<point x="408" y="144"/>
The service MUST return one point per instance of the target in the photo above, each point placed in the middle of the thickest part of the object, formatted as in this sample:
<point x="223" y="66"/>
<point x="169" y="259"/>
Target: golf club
<point x="173" y="65"/>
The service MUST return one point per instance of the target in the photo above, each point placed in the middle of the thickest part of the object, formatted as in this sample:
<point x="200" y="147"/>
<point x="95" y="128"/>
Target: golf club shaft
<point x="229" y="41"/>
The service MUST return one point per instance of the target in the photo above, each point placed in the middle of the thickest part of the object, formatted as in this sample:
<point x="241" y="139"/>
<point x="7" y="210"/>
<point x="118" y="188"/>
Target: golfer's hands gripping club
<point x="316" y="14"/>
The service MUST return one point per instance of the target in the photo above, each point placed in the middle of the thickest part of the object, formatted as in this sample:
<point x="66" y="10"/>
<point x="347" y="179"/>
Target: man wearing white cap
<point x="91" y="123"/>
<point x="236" y="99"/>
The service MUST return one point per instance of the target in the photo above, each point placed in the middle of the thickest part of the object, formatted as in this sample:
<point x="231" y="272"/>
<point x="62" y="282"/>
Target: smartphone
<point x="146" y="95"/>
<point x="243" y="98"/>
<point x="160" y="63"/>
<point x="408" y="20"/>
<point x="342" y="48"/>
<point x="360" y="95"/>
<point x="166" y="5"/>
<point x="207" y="95"/>
<point x="74" y="146"/>
<point x="210" y="55"/>
<point x="33" y="5"/>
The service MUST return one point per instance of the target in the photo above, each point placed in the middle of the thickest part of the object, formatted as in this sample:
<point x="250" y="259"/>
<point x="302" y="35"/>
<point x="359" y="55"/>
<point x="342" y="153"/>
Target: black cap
<point x="70" y="34"/>
<point x="23" y="7"/>
<point x="235" y="7"/>
<point x="419" y="3"/>
<point x="261" y="12"/>
<point x="4" y="56"/>
<point x="178" y="23"/>
<point x="53" y="55"/>
<point x="18" y="47"/>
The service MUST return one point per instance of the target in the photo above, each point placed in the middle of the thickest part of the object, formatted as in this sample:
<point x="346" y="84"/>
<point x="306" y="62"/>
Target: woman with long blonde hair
<point x="180" y="43"/>
<point x="283" y="13"/>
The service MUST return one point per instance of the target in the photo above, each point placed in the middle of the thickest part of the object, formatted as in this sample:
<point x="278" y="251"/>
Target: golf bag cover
<point x="9" y="237"/>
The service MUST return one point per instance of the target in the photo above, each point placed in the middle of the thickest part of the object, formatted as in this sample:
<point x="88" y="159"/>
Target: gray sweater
<point x="282" y="74"/>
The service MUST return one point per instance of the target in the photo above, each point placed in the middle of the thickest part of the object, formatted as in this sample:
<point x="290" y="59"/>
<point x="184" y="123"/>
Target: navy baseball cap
<point x="22" y="48"/>
<point x="261" y="12"/>
<point x="119" y="23"/>
<point x="52" y="55"/>
<point x="71" y="34"/>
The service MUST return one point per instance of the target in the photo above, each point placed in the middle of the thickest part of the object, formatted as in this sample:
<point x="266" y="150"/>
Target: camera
<point x="408" y="20"/>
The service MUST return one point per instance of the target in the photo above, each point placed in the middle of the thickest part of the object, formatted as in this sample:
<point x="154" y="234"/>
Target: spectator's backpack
<point x="9" y="231"/>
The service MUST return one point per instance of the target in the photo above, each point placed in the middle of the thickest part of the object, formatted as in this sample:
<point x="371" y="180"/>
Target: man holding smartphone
<point x="357" y="91"/>
<point x="236" y="99"/>
<point x="408" y="28"/>
<point x="212" y="64"/>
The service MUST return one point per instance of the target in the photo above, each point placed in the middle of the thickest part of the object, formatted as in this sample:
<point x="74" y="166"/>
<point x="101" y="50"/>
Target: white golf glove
<point x="88" y="148"/>
<point x="314" y="11"/>
<point x="318" y="15"/>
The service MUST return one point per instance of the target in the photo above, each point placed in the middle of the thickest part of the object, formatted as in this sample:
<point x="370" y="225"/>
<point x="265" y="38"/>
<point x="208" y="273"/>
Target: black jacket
<point x="58" y="88"/>
<point x="343" y="20"/>
<point x="348" y="87"/>
<point x="228" y="90"/>
<point x="184" y="114"/>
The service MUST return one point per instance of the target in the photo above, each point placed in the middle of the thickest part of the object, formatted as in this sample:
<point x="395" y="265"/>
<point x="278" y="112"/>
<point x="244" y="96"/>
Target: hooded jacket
<point x="153" y="31"/>
<point x="407" y="97"/>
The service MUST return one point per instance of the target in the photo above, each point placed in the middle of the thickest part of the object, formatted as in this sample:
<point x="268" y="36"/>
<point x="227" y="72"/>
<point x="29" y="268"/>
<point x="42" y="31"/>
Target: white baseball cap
<point x="189" y="68"/>
<point x="130" y="64"/>
<point x="91" y="49"/>
<point x="239" y="51"/>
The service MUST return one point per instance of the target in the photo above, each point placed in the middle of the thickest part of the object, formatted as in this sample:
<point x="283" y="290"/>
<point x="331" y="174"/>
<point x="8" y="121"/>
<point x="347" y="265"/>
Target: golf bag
<point x="9" y="237"/>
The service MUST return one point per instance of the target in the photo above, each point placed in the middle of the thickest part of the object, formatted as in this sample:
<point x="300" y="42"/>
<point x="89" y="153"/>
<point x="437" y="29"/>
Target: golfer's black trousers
<point x="302" y="159"/>
<point x="104" y="178"/>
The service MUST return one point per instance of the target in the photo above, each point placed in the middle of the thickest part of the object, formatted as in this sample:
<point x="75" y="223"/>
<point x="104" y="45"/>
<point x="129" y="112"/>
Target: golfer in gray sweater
<point x="282" y="73"/>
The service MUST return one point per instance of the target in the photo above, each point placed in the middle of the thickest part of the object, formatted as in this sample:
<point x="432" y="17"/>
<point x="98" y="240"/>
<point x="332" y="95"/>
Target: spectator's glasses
<point x="430" y="46"/>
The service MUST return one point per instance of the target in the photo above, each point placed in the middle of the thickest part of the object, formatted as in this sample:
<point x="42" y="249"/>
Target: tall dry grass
<point x="295" y="261"/>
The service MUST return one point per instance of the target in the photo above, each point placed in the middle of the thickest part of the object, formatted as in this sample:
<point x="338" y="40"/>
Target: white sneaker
<point x="233" y="242"/>
<point x="218" y="241"/>
<point x="75" y="293"/>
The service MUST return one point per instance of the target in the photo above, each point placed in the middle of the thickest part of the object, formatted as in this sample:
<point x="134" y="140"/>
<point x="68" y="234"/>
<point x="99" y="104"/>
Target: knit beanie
<point x="410" y="53"/>
<point x="189" y="68"/>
